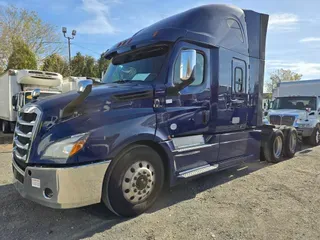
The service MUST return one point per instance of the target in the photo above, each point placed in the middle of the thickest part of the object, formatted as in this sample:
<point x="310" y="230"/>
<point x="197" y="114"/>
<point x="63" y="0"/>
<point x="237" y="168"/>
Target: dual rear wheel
<point x="281" y="143"/>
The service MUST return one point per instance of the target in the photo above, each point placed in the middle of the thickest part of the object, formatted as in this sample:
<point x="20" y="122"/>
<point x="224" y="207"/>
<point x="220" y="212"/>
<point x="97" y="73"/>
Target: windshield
<point x="142" y="65"/>
<point x="300" y="103"/>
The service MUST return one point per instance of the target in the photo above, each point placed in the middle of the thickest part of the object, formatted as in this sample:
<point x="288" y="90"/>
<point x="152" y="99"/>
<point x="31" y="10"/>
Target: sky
<point x="293" y="39"/>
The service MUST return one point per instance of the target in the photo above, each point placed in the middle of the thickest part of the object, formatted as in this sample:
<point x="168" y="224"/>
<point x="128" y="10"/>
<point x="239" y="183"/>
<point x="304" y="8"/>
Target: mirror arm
<point x="68" y="110"/>
<point x="178" y="87"/>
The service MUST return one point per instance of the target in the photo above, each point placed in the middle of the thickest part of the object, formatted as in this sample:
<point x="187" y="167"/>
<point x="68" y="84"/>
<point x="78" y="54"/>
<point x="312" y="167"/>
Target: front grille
<point x="275" y="119"/>
<point x="282" y="120"/>
<point x="27" y="122"/>
<point x="21" y="164"/>
<point x="24" y="128"/>
<point x="287" y="120"/>
<point x="28" y="117"/>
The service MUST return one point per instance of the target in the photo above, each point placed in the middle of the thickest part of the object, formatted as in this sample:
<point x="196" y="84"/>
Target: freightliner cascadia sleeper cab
<point x="180" y="99"/>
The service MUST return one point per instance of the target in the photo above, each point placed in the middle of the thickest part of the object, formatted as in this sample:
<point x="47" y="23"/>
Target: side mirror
<point x="187" y="64"/>
<point x="35" y="94"/>
<point x="14" y="102"/>
<point x="83" y="85"/>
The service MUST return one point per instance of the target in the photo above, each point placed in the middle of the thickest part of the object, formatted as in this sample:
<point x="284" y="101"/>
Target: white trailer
<point x="297" y="103"/>
<point x="16" y="87"/>
<point x="71" y="83"/>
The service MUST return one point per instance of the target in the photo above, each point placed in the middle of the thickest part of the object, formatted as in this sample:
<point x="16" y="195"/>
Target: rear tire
<point x="314" y="139"/>
<point x="5" y="126"/>
<point x="273" y="148"/>
<point x="290" y="142"/>
<point x="135" y="181"/>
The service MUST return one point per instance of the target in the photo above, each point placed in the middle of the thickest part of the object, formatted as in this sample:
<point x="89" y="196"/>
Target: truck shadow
<point x="33" y="221"/>
<point x="190" y="189"/>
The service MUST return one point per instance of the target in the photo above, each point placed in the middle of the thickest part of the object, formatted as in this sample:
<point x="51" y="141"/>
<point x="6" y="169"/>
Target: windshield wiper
<point x="127" y="81"/>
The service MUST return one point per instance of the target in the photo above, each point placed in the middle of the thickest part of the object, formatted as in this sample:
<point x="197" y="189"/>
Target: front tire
<point x="314" y="139"/>
<point x="136" y="181"/>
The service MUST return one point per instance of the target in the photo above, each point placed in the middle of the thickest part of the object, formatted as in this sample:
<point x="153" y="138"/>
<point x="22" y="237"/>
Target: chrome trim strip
<point x="22" y="122"/>
<point x="20" y="145"/>
<point x="18" y="132"/>
<point x="187" y="154"/>
<point x="195" y="147"/>
<point x="18" y="155"/>
<point x="17" y="168"/>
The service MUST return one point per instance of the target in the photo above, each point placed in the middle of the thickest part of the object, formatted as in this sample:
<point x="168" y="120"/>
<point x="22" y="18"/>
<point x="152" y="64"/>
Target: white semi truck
<point x="297" y="103"/>
<point x="16" y="87"/>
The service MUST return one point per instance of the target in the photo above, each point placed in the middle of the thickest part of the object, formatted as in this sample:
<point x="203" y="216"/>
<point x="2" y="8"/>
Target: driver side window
<point x="199" y="77"/>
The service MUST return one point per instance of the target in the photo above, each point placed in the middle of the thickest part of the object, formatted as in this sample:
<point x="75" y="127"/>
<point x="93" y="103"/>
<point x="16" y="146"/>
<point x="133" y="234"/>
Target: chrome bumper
<point x="71" y="186"/>
<point x="305" y="132"/>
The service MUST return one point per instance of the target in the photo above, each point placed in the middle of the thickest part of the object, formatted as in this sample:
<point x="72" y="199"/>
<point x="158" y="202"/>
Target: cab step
<point x="197" y="171"/>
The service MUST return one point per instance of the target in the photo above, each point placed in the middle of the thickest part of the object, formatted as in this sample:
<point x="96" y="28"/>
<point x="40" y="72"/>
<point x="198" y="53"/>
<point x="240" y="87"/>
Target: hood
<point x="98" y="97"/>
<point x="289" y="112"/>
<point x="301" y="114"/>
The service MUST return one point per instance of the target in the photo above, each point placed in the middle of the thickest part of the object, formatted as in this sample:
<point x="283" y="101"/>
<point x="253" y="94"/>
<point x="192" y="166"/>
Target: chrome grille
<point x="25" y="131"/>
<point x="275" y="119"/>
<point x="282" y="120"/>
<point x="287" y="120"/>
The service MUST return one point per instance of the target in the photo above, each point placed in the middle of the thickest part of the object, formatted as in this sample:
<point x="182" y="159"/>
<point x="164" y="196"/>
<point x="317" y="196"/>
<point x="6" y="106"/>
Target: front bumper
<point x="71" y="186"/>
<point x="305" y="132"/>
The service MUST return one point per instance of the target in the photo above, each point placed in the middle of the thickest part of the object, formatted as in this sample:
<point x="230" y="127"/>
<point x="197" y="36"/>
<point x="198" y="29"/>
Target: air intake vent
<point x="35" y="72"/>
<point x="133" y="96"/>
<point x="51" y="74"/>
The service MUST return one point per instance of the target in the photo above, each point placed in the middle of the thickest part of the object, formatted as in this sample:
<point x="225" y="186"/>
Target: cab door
<point x="232" y="99"/>
<point x="188" y="109"/>
<point x="187" y="113"/>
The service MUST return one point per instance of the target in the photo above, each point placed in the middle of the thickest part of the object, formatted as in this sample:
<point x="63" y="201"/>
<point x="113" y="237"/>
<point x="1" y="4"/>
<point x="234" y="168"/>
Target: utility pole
<point x="64" y="30"/>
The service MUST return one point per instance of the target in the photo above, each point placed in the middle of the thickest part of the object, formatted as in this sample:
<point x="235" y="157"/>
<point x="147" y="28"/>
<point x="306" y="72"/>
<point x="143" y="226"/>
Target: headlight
<point x="303" y="125"/>
<point x="66" y="147"/>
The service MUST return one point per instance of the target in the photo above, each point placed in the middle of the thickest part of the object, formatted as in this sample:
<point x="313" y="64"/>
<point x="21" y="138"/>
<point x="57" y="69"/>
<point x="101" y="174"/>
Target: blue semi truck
<point x="181" y="98"/>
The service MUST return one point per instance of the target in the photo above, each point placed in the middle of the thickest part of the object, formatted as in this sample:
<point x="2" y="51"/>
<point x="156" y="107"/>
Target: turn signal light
<point x="77" y="146"/>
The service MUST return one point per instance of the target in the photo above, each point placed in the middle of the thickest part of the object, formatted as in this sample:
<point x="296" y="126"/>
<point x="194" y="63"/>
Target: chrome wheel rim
<point x="138" y="182"/>
<point x="293" y="142"/>
<point x="277" y="147"/>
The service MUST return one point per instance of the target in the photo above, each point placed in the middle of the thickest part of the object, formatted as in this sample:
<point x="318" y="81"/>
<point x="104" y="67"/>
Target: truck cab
<point x="16" y="88"/>
<point x="297" y="104"/>
<point x="180" y="99"/>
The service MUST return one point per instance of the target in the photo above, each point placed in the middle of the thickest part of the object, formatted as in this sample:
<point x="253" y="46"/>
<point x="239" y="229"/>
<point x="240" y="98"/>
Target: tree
<point x="18" y="23"/>
<point x="78" y="65"/>
<point x="56" y="63"/>
<point x="22" y="57"/>
<point x="102" y="65"/>
<point x="85" y="66"/>
<point x="90" y="69"/>
<point x="281" y="75"/>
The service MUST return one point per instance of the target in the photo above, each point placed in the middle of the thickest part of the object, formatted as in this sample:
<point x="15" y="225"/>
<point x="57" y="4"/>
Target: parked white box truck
<point x="297" y="103"/>
<point x="16" y="87"/>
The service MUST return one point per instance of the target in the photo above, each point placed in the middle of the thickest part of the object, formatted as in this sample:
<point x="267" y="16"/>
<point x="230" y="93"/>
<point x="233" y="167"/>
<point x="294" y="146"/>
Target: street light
<point x="64" y="31"/>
